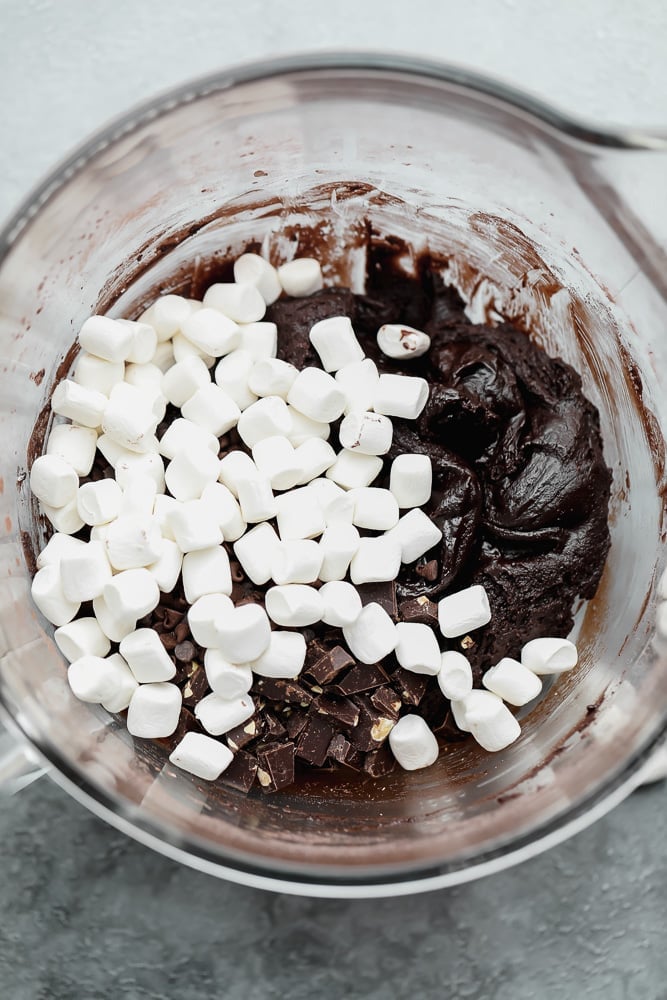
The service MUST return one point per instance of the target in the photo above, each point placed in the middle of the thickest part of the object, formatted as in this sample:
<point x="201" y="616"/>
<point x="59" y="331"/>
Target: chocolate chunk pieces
<point x="241" y="772"/>
<point x="419" y="609"/>
<point x="362" y="677"/>
<point x="428" y="570"/>
<point x="373" y="727"/>
<point x="410" y="686"/>
<point x="387" y="701"/>
<point x="281" y="690"/>
<point x="341" y="750"/>
<point x="383" y="593"/>
<point x="314" y="740"/>
<point x="377" y="763"/>
<point x="276" y="762"/>
<point x="294" y="722"/>
<point x="196" y="685"/>
<point x="341" y="709"/>
<point x="241" y="736"/>
<point x="330" y="665"/>
<point x="273" y="725"/>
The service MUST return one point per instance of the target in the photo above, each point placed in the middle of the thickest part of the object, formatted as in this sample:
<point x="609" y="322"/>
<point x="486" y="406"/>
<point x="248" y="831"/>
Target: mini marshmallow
<point x="296" y="561"/>
<point x="181" y="435"/>
<point x="203" y="615"/>
<point x="99" y="532"/>
<point x="336" y="343"/>
<point x="80" y="405"/>
<point x="132" y="465"/>
<point x="84" y="572"/>
<point x="317" y="395"/>
<point x="213" y="409"/>
<point x="455" y="675"/>
<point x="304" y="429"/>
<point x="240" y="301"/>
<point x="164" y="356"/>
<point x="413" y="744"/>
<point x="340" y="510"/>
<point x="133" y="541"/>
<point x="268" y="417"/>
<point x="154" y="711"/>
<point x="341" y="604"/>
<point x="232" y="373"/>
<point x="131" y="594"/>
<point x="512" y="681"/>
<point x="549" y="656"/>
<point x="125" y="395"/>
<point x="302" y="276"/>
<point x="260" y="340"/>
<point x="146" y="657"/>
<point x="255" y="552"/>
<point x="111" y="450"/>
<point x="163" y="506"/>
<point x="190" y="472"/>
<point x="256" y="499"/>
<point x="74" y="445"/>
<point x="359" y="382"/>
<point x="411" y="480"/>
<point x="95" y="679"/>
<point x="314" y="457"/>
<point x="338" y="545"/>
<point x="206" y="571"/>
<point x="138" y="496"/>
<point x="147" y="377"/>
<point x="251" y="269"/>
<point x="107" y="338"/>
<point x="277" y="461"/>
<point x="417" y="648"/>
<point x="211" y="332"/>
<point x="181" y="381"/>
<point x="491" y="722"/>
<point x="183" y="348"/>
<point x="194" y="526"/>
<point x="400" y="396"/>
<point x="124" y="684"/>
<point x="299" y="515"/>
<point x="167" y="315"/>
<point x="294" y="605"/>
<point x="64" y="519"/>
<point x="471" y="702"/>
<point x="57" y="546"/>
<point x="48" y="595"/>
<point x="284" y="657"/>
<point x="82" y="637"/>
<point x="416" y="534"/>
<point x="234" y="466"/>
<point x="202" y="756"/>
<point x="376" y="560"/>
<point x="96" y="373"/>
<point x="144" y="342"/>
<point x="374" y="508"/>
<point x="226" y="511"/>
<point x="402" y="342"/>
<point x="167" y="569"/>
<point x="243" y="633"/>
<point x="272" y="377"/>
<point x="132" y="426"/>
<point x="99" y="502"/>
<point x="372" y="636"/>
<point x="351" y="470"/>
<point x="218" y="715"/>
<point x="325" y="491"/>
<point x="53" y="481"/>
<point x="115" y="626"/>
<point x="366" y="433"/>
<point x="229" y="680"/>
<point x="463" y="612"/>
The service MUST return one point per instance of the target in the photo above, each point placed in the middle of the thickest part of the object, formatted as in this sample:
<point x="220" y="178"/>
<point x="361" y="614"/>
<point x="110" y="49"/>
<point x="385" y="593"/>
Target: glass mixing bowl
<point x="533" y="214"/>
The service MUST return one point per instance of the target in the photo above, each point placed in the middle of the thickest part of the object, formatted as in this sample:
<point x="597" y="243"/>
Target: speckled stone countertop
<point x="86" y="914"/>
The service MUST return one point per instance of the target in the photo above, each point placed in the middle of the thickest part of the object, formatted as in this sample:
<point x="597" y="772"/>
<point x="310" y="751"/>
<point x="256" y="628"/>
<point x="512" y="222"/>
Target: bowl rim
<point x="313" y="880"/>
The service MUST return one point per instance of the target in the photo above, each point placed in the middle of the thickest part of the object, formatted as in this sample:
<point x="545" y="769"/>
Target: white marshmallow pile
<point x="143" y="538"/>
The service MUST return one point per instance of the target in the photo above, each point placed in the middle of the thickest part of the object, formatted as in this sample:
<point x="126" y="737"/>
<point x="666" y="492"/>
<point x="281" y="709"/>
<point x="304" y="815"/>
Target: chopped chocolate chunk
<point x="419" y="609"/>
<point x="277" y="761"/>
<point x="241" y="772"/>
<point x="386" y="699"/>
<point x="185" y="651"/>
<point x="434" y="708"/>
<point x="294" y="722"/>
<point x="196" y="686"/>
<point x="372" y="729"/>
<point x="186" y="724"/>
<point x="169" y="641"/>
<point x="377" y="763"/>
<point x="280" y="690"/>
<point x="314" y="740"/>
<point x="273" y="725"/>
<point x="339" y="748"/>
<point x="330" y="665"/>
<point x="410" y="686"/>
<point x="383" y="593"/>
<point x="341" y="709"/>
<point x="428" y="570"/>
<point x="241" y="736"/>
<point x="362" y="677"/>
